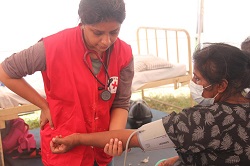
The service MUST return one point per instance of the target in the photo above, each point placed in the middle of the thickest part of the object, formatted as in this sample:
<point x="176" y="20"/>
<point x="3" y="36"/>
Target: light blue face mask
<point x="196" y="93"/>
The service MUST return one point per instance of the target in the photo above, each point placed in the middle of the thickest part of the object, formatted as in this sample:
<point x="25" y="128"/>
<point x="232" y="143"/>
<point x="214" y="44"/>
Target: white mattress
<point x="10" y="99"/>
<point x="141" y="78"/>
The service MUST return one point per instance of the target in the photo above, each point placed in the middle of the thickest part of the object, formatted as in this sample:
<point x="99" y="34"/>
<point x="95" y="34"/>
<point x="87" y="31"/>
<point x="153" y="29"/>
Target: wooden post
<point x="12" y="113"/>
<point x="1" y="152"/>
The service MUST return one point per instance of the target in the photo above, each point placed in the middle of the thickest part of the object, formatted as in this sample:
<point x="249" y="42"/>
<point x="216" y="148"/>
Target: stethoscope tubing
<point x="104" y="66"/>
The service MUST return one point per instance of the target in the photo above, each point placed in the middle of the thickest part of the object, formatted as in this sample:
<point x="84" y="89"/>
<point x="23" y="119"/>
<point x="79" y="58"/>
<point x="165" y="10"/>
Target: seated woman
<point x="214" y="132"/>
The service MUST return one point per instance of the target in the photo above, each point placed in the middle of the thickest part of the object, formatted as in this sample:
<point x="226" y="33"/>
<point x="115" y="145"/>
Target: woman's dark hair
<point x="96" y="11"/>
<point x="218" y="61"/>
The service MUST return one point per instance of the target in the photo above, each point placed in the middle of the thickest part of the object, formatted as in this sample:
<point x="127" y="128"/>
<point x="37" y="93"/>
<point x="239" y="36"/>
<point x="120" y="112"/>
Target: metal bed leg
<point x="142" y="94"/>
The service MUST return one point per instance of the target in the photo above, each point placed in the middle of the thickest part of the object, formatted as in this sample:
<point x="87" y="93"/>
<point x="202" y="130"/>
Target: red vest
<point x="73" y="96"/>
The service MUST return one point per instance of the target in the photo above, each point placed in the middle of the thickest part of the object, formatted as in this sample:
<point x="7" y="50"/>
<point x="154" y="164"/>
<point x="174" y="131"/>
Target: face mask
<point x="196" y="93"/>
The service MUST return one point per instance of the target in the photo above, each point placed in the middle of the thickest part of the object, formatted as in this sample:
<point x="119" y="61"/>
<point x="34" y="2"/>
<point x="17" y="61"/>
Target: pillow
<point x="150" y="62"/>
<point x="140" y="66"/>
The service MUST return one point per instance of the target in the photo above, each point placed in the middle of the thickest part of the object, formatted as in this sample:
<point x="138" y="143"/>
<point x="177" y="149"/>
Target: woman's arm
<point x="23" y="89"/>
<point x="150" y="136"/>
<point x="118" y="119"/>
<point x="100" y="139"/>
<point x="14" y="68"/>
<point x="123" y="93"/>
<point x="120" y="108"/>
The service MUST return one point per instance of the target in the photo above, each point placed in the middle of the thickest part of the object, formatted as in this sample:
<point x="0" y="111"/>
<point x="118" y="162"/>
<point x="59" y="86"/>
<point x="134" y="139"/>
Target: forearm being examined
<point x="100" y="139"/>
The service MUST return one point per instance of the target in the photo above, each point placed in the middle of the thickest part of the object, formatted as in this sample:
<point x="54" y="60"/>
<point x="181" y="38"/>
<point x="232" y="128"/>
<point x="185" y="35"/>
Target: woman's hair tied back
<point x="96" y="11"/>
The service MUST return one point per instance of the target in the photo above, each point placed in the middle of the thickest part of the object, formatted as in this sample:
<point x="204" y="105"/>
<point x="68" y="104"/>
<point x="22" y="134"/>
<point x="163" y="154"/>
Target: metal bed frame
<point x="175" y="45"/>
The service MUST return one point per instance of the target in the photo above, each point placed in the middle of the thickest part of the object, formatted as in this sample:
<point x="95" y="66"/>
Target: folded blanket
<point x="150" y="62"/>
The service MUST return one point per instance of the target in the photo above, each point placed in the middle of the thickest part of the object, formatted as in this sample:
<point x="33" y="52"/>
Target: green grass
<point x="32" y="119"/>
<point x="169" y="103"/>
<point x="165" y="99"/>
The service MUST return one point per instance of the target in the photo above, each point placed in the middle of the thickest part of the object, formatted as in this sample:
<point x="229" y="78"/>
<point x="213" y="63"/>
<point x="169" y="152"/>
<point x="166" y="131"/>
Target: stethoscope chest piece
<point x="105" y="95"/>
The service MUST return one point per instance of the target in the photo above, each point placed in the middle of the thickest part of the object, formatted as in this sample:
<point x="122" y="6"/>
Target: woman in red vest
<point x="87" y="72"/>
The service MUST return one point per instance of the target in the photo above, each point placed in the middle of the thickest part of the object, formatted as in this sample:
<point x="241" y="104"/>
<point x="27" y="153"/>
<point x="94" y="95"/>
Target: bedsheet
<point x="141" y="78"/>
<point x="10" y="99"/>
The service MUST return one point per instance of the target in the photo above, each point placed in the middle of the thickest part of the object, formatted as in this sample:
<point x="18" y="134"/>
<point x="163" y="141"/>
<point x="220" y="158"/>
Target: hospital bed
<point x="166" y="53"/>
<point x="164" y="57"/>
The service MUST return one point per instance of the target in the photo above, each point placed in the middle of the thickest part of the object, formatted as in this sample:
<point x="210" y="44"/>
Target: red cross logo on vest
<point x="114" y="84"/>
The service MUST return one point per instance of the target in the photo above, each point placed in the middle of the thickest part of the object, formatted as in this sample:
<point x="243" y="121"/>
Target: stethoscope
<point x="105" y="94"/>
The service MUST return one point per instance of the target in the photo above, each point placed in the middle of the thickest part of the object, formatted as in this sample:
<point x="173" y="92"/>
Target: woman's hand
<point x="62" y="145"/>
<point x="114" y="147"/>
<point x="45" y="118"/>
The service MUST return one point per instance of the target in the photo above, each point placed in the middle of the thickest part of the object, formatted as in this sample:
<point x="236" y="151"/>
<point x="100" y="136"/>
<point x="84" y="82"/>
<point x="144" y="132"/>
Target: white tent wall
<point x="158" y="13"/>
<point x="24" y="22"/>
<point x="226" y="21"/>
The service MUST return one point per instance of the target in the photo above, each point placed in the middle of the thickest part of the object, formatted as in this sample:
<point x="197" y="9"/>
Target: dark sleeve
<point x="215" y="133"/>
<point x="124" y="92"/>
<point x="26" y="62"/>
<point x="192" y="130"/>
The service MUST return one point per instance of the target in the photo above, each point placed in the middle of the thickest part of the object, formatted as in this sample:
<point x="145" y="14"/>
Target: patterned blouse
<point x="211" y="135"/>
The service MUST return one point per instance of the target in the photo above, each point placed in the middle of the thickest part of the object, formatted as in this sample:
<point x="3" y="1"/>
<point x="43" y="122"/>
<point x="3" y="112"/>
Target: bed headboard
<point x="173" y="44"/>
